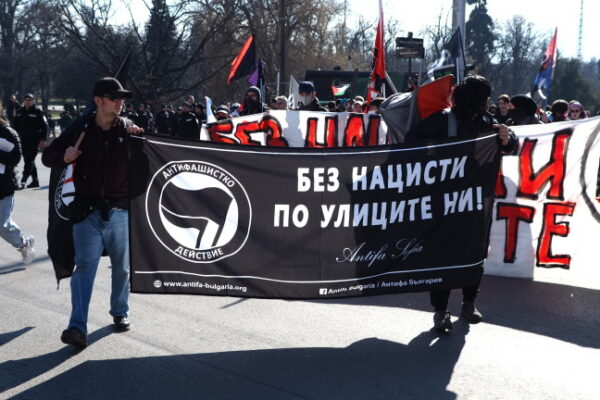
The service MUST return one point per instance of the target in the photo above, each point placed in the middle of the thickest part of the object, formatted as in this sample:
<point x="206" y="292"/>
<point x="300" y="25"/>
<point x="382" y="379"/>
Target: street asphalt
<point x="539" y="340"/>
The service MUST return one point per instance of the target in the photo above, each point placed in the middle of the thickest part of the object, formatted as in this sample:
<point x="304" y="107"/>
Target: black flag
<point x="245" y="62"/>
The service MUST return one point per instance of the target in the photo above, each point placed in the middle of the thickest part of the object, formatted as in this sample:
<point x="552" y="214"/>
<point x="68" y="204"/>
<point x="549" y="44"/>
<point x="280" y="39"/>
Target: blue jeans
<point x="9" y="231"/>
<point x="90" y="237"/>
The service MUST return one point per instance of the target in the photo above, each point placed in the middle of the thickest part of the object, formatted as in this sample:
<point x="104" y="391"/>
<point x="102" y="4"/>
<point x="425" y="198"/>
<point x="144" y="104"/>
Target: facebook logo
<point x="323" y="291"/>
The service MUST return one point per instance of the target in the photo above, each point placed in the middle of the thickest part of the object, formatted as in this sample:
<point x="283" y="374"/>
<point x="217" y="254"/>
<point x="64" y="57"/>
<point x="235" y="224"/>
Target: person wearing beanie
<point x="524" y="111"/>
<point x="252" y="102"/>
<point x="559" y="110"/>
<point x="308" y="98"/>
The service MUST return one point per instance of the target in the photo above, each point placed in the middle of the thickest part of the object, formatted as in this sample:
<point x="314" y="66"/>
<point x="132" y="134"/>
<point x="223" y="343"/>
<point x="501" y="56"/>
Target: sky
<point x="415" y="15"/>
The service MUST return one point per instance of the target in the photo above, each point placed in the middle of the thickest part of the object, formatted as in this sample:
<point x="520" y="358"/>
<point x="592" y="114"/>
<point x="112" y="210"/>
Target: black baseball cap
<point x="28" y="96"/>
<point x="112" y="88"/>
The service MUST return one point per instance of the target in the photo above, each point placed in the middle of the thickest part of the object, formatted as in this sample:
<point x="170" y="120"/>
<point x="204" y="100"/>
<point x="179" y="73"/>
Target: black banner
<point x="309" y="223"/>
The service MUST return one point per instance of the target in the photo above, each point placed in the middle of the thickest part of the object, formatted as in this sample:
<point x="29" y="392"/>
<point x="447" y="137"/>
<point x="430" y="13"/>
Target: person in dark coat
<point x="308" y="98"/>
<point x="163" y="121"/>
<point x="252" y="102"/>
<point x="187" y="123"/>
<point x="12" y="108"/>
<point x="32" y="126"/>
<point x="142" y="119"/>
<point x="524" y="111"/>
<point x="10" y="155"/>
<point x="469" y="100"/>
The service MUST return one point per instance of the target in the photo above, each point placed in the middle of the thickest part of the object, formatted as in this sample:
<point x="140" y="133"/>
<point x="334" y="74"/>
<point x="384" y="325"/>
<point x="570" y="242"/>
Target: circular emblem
<point x="198" y="211"/>
<point x="64" y="193"/>
<point x="157" y="284"/>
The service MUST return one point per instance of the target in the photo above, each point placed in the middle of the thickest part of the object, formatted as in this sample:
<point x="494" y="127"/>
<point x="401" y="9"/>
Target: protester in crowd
<point x="469" y="105"/>
<point x="172" y="120"/>
<point x="559" y="111"/>
<point x="99" y="211"/>
<point x="187" y="123"/>
<point x="11" y="109"/>
<point x="129" y="112"/>
<point x="281" y="103"/>
<point x="524" y="111"/>
<point x="32" y="126"/>
<point x="10" y="155"/>
<point x="375" y="105"/>
<point x="308" y="98"/>
<point x="493" y="109"/>
<point x="347" y="106"/>
<point x="576" y="110"/>
<point x="163" y="121"/>
<point x="150" y="116"/>
<point x="252" y="102"/>
<point x="200" y="111"/>
<point x="191" y="100"/>
<point x="222" y="112"/>
<point x="66" y="117"/>
<point x="503" y="114"/>
<point x="235" y="107"/>
<point x="331" y="106"/>
<point x="357" y="106"/>
<point x="141" y="118"/>
<point x="359" y="98"/>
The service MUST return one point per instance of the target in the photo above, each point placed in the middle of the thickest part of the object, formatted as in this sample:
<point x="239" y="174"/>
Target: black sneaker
<point x="470" y="312"/>
<point x="122" y="324"/>
<point x="34" y="184"/>
<point x="74" y="337"/>
<point x="442" y="321"/>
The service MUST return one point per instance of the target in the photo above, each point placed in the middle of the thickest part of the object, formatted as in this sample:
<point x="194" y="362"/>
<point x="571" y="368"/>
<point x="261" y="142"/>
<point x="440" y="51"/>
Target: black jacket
<point x="100" y="171"/>
<point x="188" y="126"/>
<point x="163" y="122"/>
<point x="10" y="159"/>
<point x="142" y="120"/>
<point x="436" y="126"/>
<point x="31" y="125"/>
<point x="313" y="106"/>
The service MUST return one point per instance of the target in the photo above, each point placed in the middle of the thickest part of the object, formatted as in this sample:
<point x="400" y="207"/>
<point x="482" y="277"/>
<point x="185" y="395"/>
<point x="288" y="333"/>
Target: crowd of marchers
<point x="101" y="176"/>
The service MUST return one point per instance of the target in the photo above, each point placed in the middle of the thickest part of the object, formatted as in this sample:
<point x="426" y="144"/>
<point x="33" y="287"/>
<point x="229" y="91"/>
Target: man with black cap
<point x="308" y="98"/>
<point x="31" y="124"/>
<point x="99" y="211"/>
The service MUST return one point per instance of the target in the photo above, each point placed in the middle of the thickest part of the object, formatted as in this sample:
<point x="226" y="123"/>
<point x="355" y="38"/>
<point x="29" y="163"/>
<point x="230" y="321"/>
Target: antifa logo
<point x="64" y="193"/>
<point x="198" y="211"/>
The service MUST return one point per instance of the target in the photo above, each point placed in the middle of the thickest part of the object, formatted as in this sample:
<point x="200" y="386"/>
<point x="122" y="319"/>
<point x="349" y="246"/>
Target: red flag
<point x="378" y="72"/>
<point x="245" y="62"/>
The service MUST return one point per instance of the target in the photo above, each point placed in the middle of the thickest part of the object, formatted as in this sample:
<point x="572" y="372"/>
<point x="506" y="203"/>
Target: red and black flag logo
<point x="245" y="62"/>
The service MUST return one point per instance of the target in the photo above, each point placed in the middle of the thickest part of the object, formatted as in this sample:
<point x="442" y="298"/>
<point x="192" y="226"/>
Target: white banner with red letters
<point x="299" y="129"/>
<point x="546" y="214"/>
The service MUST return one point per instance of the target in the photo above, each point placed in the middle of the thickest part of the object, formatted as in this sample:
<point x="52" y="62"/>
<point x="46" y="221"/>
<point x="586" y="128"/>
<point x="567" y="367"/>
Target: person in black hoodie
<point x="468" y="117"/>
<point x="32" y="126"/>
<point x="10" y="155"/>
<point x="252" y="102"/>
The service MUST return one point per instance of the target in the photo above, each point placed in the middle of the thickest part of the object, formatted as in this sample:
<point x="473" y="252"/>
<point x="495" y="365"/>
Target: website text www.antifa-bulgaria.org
<point x="200" y="285"/>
